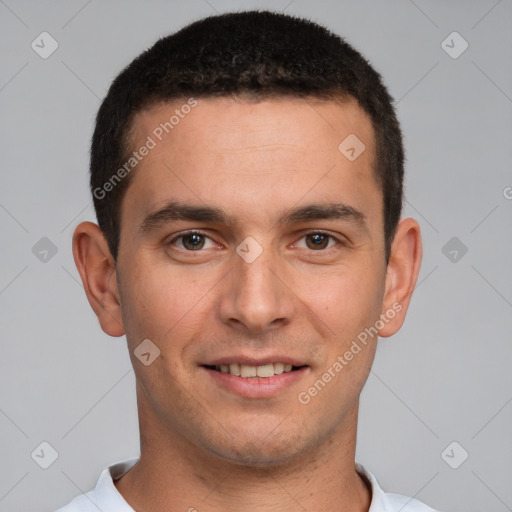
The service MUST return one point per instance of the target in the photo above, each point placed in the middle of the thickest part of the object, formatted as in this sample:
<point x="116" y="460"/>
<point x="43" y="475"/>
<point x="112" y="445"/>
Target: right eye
<point x="192" y="241"/>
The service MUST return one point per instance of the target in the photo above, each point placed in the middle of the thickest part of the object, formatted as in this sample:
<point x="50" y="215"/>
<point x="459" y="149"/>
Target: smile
<point x="255" y="381"/>
<point x="262" y="371"/>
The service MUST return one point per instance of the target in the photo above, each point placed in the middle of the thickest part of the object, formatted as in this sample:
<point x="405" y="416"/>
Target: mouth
<point x="261" y="379"/>
<point x="247" y="371"/>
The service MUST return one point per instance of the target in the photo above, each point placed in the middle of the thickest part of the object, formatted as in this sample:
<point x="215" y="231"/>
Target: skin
<point x="204" y="447"/>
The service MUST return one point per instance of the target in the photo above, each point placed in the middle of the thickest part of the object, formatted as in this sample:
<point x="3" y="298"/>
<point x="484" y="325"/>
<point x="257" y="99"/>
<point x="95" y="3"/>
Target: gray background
<point x="445" y="377"/>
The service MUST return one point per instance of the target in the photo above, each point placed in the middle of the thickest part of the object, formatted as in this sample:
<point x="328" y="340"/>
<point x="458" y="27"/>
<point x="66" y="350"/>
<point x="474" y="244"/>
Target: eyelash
<point x="315" y="232"/>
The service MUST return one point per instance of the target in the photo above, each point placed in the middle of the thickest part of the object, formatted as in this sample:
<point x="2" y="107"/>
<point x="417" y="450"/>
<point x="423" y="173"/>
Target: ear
<point x="401" y="275"/>
<point x="97" y="270"/>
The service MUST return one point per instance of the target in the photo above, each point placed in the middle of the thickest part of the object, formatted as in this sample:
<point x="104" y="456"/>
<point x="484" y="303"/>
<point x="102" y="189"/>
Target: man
<point x="247" y="179"/>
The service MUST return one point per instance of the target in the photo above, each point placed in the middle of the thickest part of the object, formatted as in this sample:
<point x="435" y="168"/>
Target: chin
<point x="263" y="452"/>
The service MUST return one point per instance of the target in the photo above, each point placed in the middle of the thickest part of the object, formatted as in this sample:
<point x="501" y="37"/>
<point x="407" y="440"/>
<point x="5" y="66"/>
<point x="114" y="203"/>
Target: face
<point x="251" y="244"/>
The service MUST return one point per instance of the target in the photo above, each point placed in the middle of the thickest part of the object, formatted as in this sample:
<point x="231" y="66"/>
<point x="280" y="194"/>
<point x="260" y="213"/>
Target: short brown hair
<point x="261" y="54"/>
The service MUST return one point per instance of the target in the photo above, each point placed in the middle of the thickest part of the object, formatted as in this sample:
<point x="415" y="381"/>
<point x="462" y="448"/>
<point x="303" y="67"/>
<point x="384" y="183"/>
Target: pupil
<point x="318" y="240"/>
<point x="193" y="241"/>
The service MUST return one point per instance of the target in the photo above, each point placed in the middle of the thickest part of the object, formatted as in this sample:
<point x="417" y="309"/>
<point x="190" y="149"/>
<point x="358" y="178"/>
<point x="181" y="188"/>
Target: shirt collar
<point x="110" y="498"/>
<point x="380" y="501"/>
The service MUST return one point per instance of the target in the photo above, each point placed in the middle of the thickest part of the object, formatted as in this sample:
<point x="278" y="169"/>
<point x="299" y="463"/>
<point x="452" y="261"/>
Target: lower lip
<point x="256" y="387"/>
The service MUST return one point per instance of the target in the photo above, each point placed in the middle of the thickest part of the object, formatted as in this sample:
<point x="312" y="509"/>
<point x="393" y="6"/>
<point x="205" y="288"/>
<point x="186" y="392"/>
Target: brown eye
<point x="193" y="242"/>
<point x="317" y="241"/>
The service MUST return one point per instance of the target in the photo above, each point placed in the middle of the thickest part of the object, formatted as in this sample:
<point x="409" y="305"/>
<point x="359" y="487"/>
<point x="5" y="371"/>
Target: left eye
<point x="318" y="241"/>
<point x="192" y="242"/>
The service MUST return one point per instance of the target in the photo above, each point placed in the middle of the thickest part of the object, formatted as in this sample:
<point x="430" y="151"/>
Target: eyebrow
<point x="175" y="211"/>
<point x="330" y="211"/>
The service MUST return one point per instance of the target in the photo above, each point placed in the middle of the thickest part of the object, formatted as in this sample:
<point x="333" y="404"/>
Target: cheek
<point x="347" y="309"/>
<point x="157" y="303"/>
<point x="347" y="301"/>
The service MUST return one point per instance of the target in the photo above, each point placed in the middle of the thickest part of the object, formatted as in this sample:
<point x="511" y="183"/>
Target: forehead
<point x="285" y="120"/>
<point x="252" y="155"/>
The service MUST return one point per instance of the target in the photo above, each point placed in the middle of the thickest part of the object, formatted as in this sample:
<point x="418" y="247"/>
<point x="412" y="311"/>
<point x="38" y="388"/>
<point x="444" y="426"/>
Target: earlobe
<point x="401" y="276"/>
<point x="97" y="270"/>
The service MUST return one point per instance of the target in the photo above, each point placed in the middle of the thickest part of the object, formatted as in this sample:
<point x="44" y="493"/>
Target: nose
<point x="256" y="297"/>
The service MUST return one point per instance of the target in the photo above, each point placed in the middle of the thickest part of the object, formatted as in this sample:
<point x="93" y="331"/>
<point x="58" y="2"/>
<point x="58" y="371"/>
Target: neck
<point x="174" y="474"/>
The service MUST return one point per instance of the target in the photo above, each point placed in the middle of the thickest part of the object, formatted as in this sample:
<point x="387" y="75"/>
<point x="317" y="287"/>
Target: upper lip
<point x="253" y="361"/>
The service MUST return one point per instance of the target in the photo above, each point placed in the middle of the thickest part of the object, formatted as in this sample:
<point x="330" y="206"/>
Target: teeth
<point x="267" y="370"/>
<point x="278" y="368"/>
<point x="234" y="369"/>
<point x="247" y="371"/>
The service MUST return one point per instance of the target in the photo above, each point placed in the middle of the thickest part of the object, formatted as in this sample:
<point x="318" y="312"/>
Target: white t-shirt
<point x="105" y="496"/>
